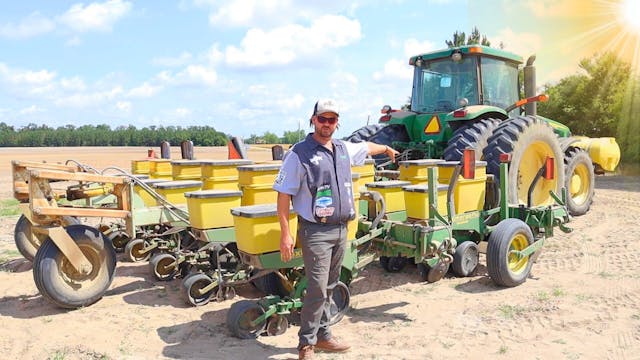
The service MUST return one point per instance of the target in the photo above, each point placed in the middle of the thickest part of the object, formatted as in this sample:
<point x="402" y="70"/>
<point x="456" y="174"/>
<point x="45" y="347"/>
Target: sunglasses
<point x="330" y="120"/>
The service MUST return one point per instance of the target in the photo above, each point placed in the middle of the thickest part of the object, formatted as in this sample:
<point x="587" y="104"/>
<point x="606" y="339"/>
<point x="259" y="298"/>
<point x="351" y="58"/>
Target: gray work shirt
<point x="292" y="178"/>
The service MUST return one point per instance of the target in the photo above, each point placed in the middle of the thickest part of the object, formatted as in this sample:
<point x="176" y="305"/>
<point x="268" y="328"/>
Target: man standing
<point x="316" y="178"/>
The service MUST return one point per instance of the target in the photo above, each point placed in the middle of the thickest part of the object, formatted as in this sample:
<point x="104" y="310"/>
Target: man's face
<point x="325" y="124"/>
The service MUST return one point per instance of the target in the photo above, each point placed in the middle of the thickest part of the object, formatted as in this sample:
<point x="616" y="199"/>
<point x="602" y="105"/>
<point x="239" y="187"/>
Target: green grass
<point x="510" y="311"/>
<point x="9" y="207"/>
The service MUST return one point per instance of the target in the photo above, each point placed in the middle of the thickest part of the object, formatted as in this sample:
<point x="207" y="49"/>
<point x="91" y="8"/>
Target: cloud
<point x="561" y="8"/>
<point x="33" y="109"/>
<point x="26" y="77"/>
<point x="398" y="69"/>
<point x="95" y="16"/>
<point x="290" y="43"/>
<point x="85" y="100"/>
<point x="124" y="106"/>
<point x="179" y="60"/>
<point x="249" y="12"/>
<point x="32" y="25"/>
<point x="182" y="112"/>
<point x="523" y="44"/>
<point x="144" y="91"/>
<point x="192" y="75"/>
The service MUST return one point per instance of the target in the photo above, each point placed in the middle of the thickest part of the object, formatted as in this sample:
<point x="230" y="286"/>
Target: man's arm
<point x="375" y="149"/>
<point x="286" y="241"/>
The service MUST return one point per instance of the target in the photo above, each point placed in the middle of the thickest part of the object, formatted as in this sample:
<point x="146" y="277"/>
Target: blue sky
<point x="244" y="66"/>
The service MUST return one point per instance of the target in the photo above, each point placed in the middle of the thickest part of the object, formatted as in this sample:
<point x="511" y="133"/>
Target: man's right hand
<point x="286" y="247"/>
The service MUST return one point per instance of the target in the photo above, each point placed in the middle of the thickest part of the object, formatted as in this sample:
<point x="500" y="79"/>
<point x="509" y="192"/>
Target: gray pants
<point x="323" y="248"/>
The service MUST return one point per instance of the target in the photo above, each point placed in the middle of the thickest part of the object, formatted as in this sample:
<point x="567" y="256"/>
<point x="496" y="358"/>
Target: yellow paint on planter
<point x="257" y="228"/>
<point x="173" y="191"/>
<point x="416" y="171"/>
<point x="468" y="194"/>
<point x="140" y="166"/>
<point x="209" y="209"/>
<point x="416" y="198"/>
<point x="221" y="174"/>
<point x="186" y="169"/>
<point x="256" y="183"/>
<point x="391" y="191"/>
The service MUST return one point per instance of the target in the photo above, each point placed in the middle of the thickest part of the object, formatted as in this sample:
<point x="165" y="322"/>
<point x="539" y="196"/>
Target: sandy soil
<point x="582" y="302"/>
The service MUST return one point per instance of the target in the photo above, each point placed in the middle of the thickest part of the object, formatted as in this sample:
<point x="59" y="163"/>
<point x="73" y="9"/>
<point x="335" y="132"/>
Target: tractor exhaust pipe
<point x="530" y="85"/>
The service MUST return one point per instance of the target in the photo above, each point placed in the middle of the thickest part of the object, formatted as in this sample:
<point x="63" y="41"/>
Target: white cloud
<point x="394" y="69"/>
<point x="179" y="60"/>
<point x="26" y="77"/>
<point x="248" y="12"/>
<point x="73" y="84"/>
<point x="33" y="109"/>
<point x="95" y="16"/>
<point x="192" y="75"/>
<point x="84" y="100"/>
<point x="523" y="44"/>
<point x="414" y="47"/>
<point x="144" y="91"/>
<point x="399" y="69"/>
<point x="289" y="43"/>
<point x="124" y="106"/>
<point x="182" y="112"/>
<point x="32" y="25"/>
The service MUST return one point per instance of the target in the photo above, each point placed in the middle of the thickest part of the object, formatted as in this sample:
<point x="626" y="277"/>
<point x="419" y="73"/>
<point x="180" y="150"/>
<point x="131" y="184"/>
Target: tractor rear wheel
<point x="505" y="267"/>
<point x="364" y="133"/>
<point x="58" y="281"/>
<point x="470" y="136"/>
<point x="529" y="140"/>
<point x="579" y="180"/>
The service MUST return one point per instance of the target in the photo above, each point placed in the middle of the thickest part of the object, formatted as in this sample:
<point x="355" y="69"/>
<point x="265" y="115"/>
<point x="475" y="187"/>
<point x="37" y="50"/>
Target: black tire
<point x="465" y="259"/>
<point x="239" y="317"/>
<point x="340" y="300"/>
<point x="364" y="133"/>
<point x="579" y="180"/>
<point x="529" y="140"/>
<point x="58" y="281"/>
<point x="26" y="241"/>
<point x="192" y="285"/>
<point x="119" y="239"/>
<point x="506" y="269"/>
<point x="470" y="136"/>
<point x="133" y="251"/>
<point x="161" y="266"/>
<point x="393" y="264"/>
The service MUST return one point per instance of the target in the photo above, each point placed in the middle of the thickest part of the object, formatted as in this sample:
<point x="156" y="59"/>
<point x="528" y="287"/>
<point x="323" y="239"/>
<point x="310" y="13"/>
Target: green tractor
<point x="468" y="97"/>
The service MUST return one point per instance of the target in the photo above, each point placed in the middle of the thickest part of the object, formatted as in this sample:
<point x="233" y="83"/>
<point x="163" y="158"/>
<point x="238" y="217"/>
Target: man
<point x="316" y="177"/>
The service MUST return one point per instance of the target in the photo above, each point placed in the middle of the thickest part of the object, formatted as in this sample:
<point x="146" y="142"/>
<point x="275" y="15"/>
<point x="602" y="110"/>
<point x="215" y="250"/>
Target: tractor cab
<point x="446" y="80"/>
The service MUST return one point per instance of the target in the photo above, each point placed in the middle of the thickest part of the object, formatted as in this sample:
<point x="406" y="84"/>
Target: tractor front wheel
<point x="58" y="281"/>
<point x="505" y="266"/>
<point x="579" y="180"/>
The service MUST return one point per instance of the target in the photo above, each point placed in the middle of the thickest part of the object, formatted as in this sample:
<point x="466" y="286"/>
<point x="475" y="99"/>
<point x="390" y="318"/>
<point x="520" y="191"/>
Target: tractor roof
<point x="467" y="49"/>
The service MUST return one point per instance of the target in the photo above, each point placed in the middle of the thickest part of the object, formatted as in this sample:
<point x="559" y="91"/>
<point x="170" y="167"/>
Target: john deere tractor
<point x="468" y="97"/>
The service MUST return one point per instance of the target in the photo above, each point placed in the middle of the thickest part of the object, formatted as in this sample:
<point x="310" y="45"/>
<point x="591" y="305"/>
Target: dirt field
<point x="582" y="302"/>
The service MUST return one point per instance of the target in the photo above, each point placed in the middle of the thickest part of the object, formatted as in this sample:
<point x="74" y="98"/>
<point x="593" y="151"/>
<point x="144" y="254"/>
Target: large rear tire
<point x="470" y="136"/>
<point x="579" y="180"/>
<point x="506" y="268"/>
<point x="364" y="133"/>
<point x="58" y="281"/>
<point x="529" y="140"/>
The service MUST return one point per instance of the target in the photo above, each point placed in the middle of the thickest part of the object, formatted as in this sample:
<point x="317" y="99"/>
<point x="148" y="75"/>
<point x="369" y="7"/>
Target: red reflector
<point x="385" y="118"/>
<point x="549" y="169"/>
<point x="505" y="158"/>
<point x="460" y="113"/>
<point x="469" y="164"/>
